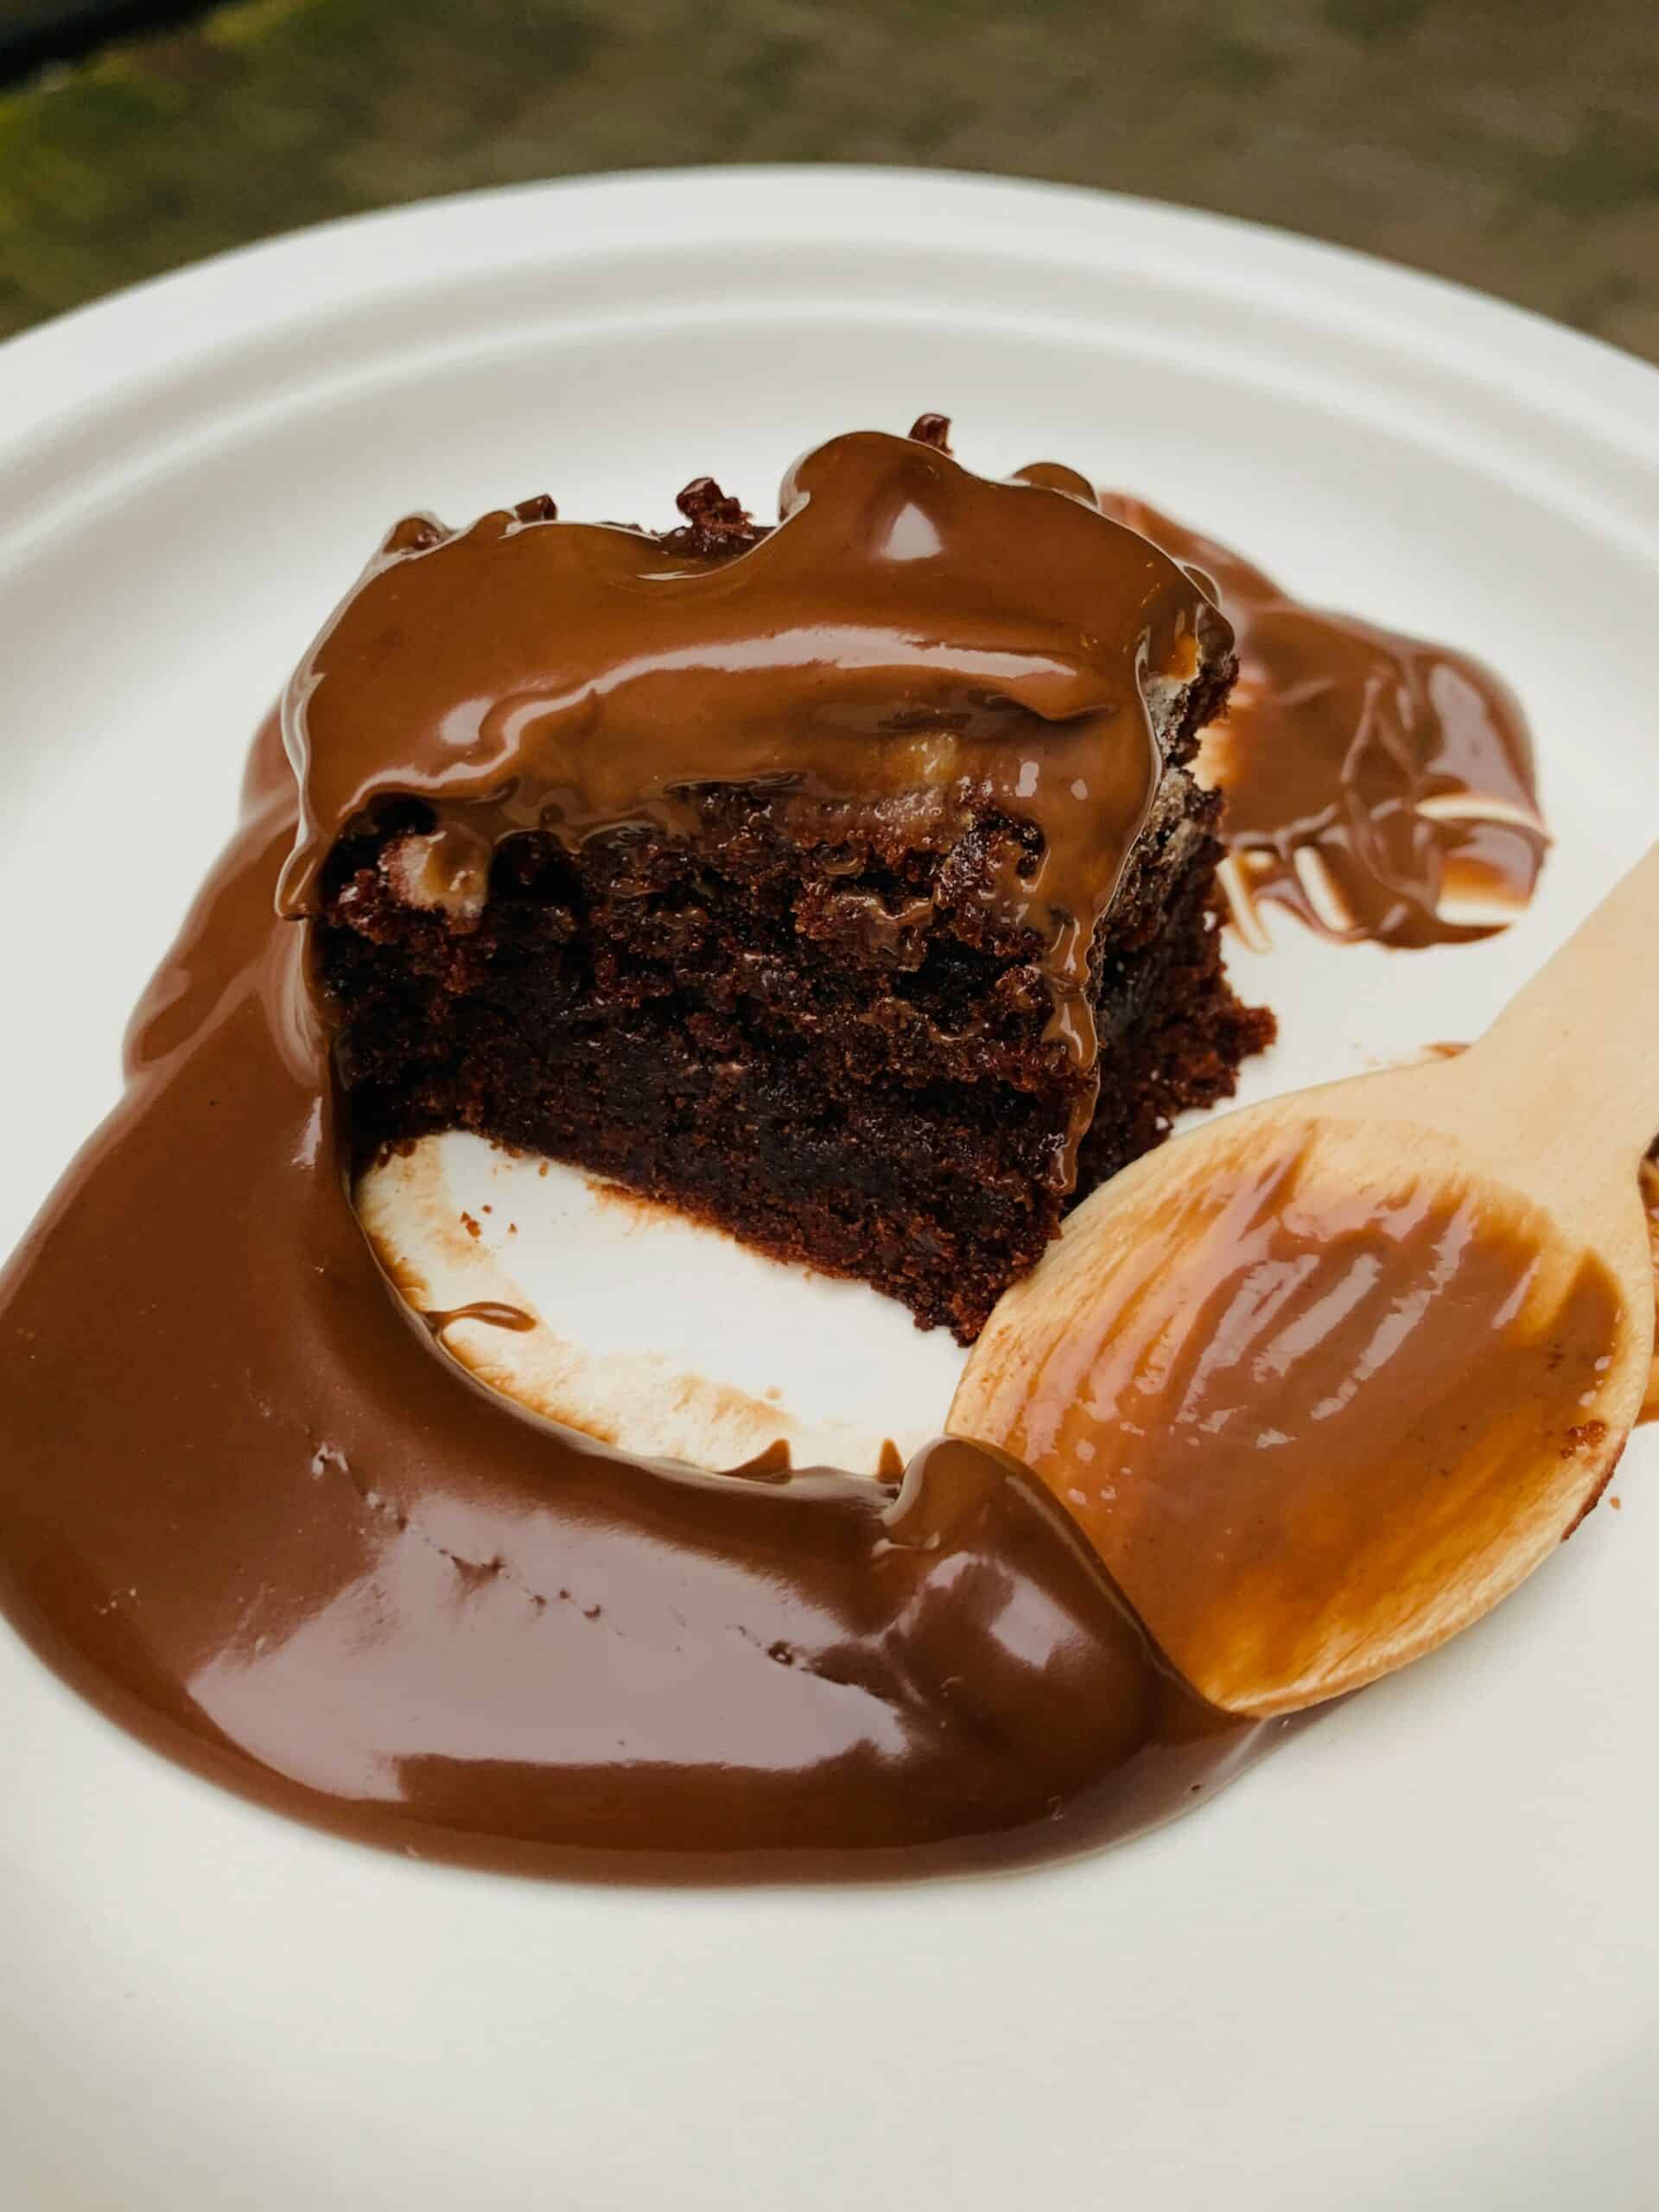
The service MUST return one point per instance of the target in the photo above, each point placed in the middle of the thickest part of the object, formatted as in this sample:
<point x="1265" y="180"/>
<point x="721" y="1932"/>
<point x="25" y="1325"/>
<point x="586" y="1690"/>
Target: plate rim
<point x="51" y="371"/>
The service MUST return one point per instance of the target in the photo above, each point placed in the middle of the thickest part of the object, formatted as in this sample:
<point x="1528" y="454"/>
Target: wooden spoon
<point x="1326" y="1378"/>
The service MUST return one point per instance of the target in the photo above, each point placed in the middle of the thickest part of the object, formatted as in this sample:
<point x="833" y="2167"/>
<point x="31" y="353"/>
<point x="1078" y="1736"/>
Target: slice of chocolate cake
<point x="840" y="882"/>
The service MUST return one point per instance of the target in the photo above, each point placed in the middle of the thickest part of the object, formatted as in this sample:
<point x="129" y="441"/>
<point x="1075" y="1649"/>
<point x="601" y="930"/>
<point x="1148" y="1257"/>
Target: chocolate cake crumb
<point x="932" y="430"/>
<point x="415" y="534"/>
<point x="820" y="1020"/>
<point x="730" y="1029"/>
<point x="715" y="523"/>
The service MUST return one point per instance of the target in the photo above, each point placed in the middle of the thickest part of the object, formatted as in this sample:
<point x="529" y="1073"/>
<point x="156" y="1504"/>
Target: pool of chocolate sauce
<point x="250" y="1509"/>
<point x="1380" y="786"/>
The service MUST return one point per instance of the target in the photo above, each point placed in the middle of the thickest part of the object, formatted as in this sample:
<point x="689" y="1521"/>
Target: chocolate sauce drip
<point x="908" y="627"/>
<point x="249" y="1509"/>
<point x="1379" y="786"/>
<point x="491" y="1312"/>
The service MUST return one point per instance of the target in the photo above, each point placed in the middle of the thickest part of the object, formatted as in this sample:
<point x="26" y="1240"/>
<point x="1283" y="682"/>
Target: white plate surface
<point x="1415" y="1960"/>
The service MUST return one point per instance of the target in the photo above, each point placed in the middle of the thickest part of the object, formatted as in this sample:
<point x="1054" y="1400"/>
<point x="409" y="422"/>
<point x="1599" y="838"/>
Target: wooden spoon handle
<point x="1573" y="1058"/>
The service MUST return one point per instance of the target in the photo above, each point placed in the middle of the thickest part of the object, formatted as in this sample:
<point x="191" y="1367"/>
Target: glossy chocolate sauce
<point x="250" y="1509"/>
<point x="1293" y="1410"/>
<point x="1379" y="786"/>
<point x="906" y="628"/>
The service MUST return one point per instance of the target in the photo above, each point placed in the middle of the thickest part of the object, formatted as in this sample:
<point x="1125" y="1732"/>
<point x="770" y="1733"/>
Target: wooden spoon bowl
<point x="1325" y="1380"/>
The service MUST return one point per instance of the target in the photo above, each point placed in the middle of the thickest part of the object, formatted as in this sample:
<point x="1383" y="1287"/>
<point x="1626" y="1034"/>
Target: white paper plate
<point x="1412" y="1962"/>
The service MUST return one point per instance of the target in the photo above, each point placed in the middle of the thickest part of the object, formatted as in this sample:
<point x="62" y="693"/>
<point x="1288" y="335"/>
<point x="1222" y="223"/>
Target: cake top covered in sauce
<point x="908" y="626"/>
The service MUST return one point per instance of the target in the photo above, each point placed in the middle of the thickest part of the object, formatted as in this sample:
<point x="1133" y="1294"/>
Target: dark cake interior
<point x="827" y="1021"/>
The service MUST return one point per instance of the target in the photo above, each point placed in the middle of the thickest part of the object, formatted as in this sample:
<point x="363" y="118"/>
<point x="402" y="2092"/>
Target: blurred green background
<point x="1511" y="144"/>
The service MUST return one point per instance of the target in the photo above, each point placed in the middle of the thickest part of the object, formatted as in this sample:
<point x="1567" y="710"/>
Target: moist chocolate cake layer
<point x="831" y="882"/>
